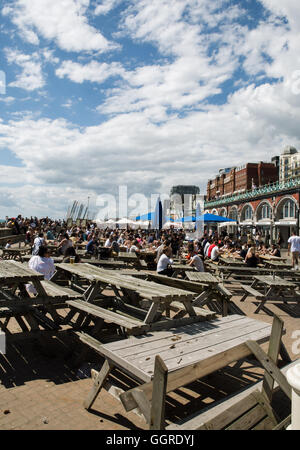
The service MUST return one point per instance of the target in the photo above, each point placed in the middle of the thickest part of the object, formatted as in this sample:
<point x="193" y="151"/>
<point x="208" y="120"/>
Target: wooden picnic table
<point x="16" y="302"/>
<point x="189" y="352"/>
<point x="272" y="258"/>
<point x="130" y="293"/>
<point x="131" y="259"/>
<point x="275" y="289"/>
<point x="277" y="264"/>
<point x="231" y="261"/>
<point x="109" y="263"/>
<point x="214" y="290"/>
<point x="15" y="253"/>
<point x="181" y="269"/>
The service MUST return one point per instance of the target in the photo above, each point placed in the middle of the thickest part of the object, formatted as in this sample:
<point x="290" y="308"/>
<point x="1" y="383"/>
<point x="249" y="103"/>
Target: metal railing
<point x="272" y="188"/>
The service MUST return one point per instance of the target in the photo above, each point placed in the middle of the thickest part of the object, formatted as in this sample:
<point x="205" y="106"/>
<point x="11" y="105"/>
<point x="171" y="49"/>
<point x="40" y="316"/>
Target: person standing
<point x="294" y="248"/>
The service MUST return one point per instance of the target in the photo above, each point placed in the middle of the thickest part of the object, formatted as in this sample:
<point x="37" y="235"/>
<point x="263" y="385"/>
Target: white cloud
<point x="93" y="71"/>
<point x="64" y="22"/>
<point x="31" y="76"/>
<point x="105" y="6"/>
<point x="8" y="100"/>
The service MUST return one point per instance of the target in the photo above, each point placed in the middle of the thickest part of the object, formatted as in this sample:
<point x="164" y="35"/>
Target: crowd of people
<point x="164" y="244"/>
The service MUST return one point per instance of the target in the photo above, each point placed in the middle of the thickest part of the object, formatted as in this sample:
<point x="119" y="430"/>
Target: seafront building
<point x="262" y="196"/>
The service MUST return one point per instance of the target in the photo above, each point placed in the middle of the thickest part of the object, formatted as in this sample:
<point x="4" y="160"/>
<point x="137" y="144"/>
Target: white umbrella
<point x="168" y="225"/>
<point x="124" y="223"/>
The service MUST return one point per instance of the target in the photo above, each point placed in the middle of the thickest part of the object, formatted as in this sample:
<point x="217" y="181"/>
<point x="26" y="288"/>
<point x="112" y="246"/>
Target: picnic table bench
<point x="131" y="260"/>
<point x="189" y="353"/>
<point x="274" y="289"/>
<point x="134" y="295"/>
<point x="250" y="408"/>
<point x="15" y="253"/>
<point x="277" y="264"/>
<point x="16" y="302"/>
<point x="215" y="295"/>
<point x="181" y="269"/>
<point x="245" y="272"/>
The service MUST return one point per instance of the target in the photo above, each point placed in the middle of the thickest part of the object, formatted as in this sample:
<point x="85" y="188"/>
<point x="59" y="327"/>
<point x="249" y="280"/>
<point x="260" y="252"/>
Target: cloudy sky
<point x="140" y="93"/>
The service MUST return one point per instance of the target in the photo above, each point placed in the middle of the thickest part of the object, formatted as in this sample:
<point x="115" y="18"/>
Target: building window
<point x="289" y="210"/>
<point x="266" y="212"/>
<point x="248" y="213"/>
<point x="233" y="214"/>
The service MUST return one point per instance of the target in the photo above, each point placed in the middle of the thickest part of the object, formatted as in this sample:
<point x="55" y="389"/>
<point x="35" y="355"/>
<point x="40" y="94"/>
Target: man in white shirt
<point x="39" y="240"/>
<point x="164" y="262"/>
<point x="207" y="245"/>
<point x="197" y="262"/>
<point x="109" y="242"/>
<point x="294" y="248"/>
<point x="215" y="253"/>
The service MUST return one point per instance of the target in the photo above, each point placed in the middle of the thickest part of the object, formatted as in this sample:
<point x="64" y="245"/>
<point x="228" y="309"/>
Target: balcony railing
<point x="263" y="190"/>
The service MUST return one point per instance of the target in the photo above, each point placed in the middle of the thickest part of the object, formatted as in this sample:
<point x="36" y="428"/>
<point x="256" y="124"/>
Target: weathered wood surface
<point x="185" y="346"/>
<point x="107" y="315"/>
<point x="148" y="290"/>
<point x="222" y="412"/>
<point x="14" y="271"/>
<point x="273" y="281"/>
<point x="202" y="277"/>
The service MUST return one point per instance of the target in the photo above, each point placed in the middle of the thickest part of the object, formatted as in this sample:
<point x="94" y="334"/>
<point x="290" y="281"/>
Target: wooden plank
<point x="252" y="291"/>
<point x="98" y="383"/>
<point x="222" y="420"/>
<point x="217" y="409"/>
<point x="165" y="338"/>
<point x="194" y="347"/>
<point x="270" y="367"/>
<point x="105" y="314"/>
<point x="273" y="353"/>
<point x="96" y="345"/>
<point x="248" y="420"/>
<point x="159" y="395"/>
<point x="193" y="372"/>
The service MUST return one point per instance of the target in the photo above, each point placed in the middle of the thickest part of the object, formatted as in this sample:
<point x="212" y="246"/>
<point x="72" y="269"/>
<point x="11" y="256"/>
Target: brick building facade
<point x="241" y="179"/>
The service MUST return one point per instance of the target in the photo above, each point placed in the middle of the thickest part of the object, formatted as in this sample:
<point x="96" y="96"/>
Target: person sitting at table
<point x="71" y="253"/>
<point x="135" y="247"/>
<point x="120" y="240"/>
<point x="165" y="262"/>
<point x="64" y="244"/>
<point x="115" y="245"/>
<point x="251" y="259"/>
<point x="214" y="252"/>
<point x="262" y="249"/>
<point x="50" y="235"/>
<point x="8" y="244"/>
<point x="275" y="251"/>
<point x="196" y="261"/>
<point x="39" y="240"/>
<point x="244" y="250"/>
<point x="42" y="263"/>
<point x="91" y="246"/>
<point x="207" y="246"/>
<point x="190" y="250"/>
<point x="109" y="241"/>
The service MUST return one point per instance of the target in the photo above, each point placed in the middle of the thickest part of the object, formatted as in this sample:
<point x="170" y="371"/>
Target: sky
<point x="147" y="94"/>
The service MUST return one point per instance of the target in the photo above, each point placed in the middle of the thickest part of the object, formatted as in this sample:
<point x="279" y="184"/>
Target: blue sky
<point x="141" y="93"/>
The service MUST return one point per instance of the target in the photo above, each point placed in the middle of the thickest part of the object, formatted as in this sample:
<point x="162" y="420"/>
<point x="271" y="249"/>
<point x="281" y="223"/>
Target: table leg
<point x="98" y="383"/>
<point x="203" y="298"/>
<point x="263" y="301"/>
<point x="151" y="313"/>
